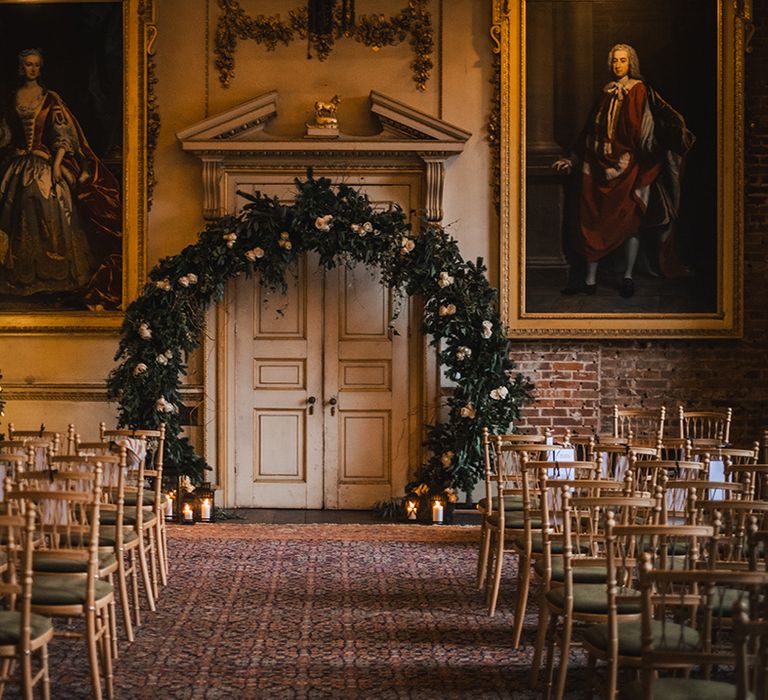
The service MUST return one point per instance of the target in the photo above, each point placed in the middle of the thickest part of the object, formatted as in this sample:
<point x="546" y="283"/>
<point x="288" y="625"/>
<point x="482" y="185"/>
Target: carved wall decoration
<point x="373" y="31"/>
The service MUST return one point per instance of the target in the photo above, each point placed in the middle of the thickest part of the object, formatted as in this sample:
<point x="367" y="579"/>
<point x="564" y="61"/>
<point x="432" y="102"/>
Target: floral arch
<point x="165" y="323"/>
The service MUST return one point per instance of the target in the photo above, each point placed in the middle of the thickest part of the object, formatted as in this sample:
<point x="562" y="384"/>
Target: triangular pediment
<point x="243" y="127"/>
<point x="245" y="122"/>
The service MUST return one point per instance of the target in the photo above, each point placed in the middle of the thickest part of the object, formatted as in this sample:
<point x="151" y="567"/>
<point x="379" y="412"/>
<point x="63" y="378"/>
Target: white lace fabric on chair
<point x="136" y="450"/>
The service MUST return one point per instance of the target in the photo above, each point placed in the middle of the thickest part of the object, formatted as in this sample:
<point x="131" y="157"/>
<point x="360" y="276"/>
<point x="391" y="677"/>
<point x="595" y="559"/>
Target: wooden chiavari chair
<point x="68" y="506"/>
<point x="152" y="499"/>
<point x="684" y="636"/>
<point x="584" y="546"/>
<point x="618" y="640"/>
<point x="705" y="428"/>
<point x="641" y="427"/>
<point x="22" y="632"/>
<point x="504" y="524"/>
<point x="753" y="476"/>
<point x="486" y="505"/>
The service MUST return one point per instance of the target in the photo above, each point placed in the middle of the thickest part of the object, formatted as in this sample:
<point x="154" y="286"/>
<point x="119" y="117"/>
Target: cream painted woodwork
<point x="321" y="382"/>
<point x="386" y="388"/>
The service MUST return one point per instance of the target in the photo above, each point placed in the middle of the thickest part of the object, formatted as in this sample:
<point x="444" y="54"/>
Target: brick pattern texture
<point x="577" y="383"/>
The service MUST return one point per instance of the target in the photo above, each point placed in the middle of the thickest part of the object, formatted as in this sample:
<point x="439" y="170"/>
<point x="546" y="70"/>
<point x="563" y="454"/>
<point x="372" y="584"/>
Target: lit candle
<point x="169" y="504"/>
<point x="187" y="513"/>
<point x="437" y="512"/>
<point x="411" y="509"/>
<point x="205" y="509"/>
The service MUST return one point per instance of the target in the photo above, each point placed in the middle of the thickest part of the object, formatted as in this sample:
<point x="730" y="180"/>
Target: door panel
<point x="329" y="339"/>
<point x="278" y="439"/>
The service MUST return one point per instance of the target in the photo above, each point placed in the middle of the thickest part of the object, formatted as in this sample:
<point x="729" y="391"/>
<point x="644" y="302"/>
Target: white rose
<point x="407" y="245"/>
<point x="446" y="458"/>
<point x="139" y="369"/>
<point x="463" y="353"/>
<point x="145" y="331"/>
<point x="184" y="281"/>
<point x="447" y="310"/>
<point x="467" y="411"/>
<point x="367" y="227"/>
<point x="230" y="238"/>
<point x="323" y="223"/>
<point x="169" y="354"/>
<point x="161" y="360"/>
<point x="358" y="229"/>
<point x="254" y="253"/>
<point x="500" y="393"/>
<point x="487" y="331"/>
<point x="444" y="280"/>
<point x="164" y="284"/>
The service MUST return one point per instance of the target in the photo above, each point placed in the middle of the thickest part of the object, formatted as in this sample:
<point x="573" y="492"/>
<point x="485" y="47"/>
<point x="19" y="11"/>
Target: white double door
<point x="321" y="389"/>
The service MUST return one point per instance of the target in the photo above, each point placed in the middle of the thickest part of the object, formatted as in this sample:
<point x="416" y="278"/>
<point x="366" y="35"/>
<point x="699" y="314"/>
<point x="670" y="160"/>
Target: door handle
<point x="311" y="401"/>
<point x="332" y="403"/>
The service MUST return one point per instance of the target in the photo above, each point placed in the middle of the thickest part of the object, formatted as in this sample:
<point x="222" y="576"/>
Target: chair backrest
<point x="67" y="514"/>
<point x="712" y="426"/>
<point x="688" y="622"/>
<point x="639" y="425"/>
<point x="153" y="458"/>
<point x="17" y="544"/>
<point x="754" y="477"/>
<point x="735" y="521"/>
<point x="584" y="522"/>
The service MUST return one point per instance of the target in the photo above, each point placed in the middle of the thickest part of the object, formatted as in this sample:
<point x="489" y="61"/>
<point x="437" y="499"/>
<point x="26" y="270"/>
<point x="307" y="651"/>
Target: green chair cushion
<point x="537" y="544"/>
<point x="65" y="590"/>
<point x="581" y="574"/>
<point x="666" y="636"/>
<point x="51" y="563"/>
<point x="512" y="502"/>
<point x="10" y="626"/>
<point x="683" y="689"/>
<point x="147" y="498"/>
<point x="514" y="521"/>
<point x="108" y="533"/>
<point x="593" y="598"/>
<point x="109" y="517"/>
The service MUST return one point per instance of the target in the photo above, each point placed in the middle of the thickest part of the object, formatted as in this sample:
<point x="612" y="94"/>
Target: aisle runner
<point x="318" y="611"/>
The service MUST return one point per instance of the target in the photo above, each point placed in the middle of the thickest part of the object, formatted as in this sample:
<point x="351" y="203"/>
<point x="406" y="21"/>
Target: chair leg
<point x="46" y="674"/>
<point x="162" y="555"/>
<point x="6" y="667"/>
<point x="496" y="582"/>
<point x="152" y="555"/>
<point x="113" y="618"/>
<point x="133" y="571"/>
<point x="550" y="663"/>
<point x="565" y="652"/>
<point x="26" y="676"/>
<point x="523" y="583"/>
<point x="106" y="625"/>
<point x="482" y="559"/>
<point x="144" y="566"/>
<point x="93" y="654"/>
<point x="541" y="640"/>
<point x="125" y="602"/>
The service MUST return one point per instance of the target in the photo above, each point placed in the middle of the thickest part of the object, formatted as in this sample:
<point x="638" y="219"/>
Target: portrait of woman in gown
<point x="60" y="213"/>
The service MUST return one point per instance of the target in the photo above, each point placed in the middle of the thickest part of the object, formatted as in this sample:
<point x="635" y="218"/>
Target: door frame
<point x="218" y="360"/>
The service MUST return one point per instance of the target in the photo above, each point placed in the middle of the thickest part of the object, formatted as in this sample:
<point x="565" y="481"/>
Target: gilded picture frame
<point x="686" y="278"/>
<point x="73" y="162"/>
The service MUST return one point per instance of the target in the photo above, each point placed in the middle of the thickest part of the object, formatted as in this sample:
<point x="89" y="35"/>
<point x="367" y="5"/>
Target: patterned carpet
<point x="316" y="611"/>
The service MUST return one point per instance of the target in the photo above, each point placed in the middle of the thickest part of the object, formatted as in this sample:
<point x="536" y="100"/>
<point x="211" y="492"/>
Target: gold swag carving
<point x="373" y="31"/>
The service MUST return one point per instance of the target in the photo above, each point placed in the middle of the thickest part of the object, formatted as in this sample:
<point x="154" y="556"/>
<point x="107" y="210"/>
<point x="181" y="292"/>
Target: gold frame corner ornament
<point x="137" y="42"/>
<point x="734" y="20"/>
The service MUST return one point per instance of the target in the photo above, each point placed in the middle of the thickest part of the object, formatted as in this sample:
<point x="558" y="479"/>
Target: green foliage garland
<point x="166" y="322"/>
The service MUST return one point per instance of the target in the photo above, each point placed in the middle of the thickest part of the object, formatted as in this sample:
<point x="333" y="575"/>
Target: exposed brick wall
<point x="578" y="383"/>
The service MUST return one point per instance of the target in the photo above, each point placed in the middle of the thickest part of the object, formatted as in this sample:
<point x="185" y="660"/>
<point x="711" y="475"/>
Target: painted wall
<point x="59" y="379"/>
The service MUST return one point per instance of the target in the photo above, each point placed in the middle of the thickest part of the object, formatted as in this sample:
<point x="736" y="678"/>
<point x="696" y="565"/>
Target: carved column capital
<point x="213" y="196"/>
<point x="435" y="177"/>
